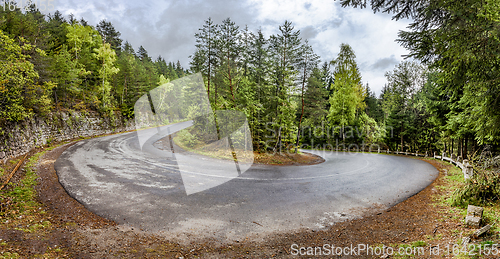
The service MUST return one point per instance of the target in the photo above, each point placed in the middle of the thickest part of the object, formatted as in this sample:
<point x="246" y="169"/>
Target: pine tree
<point x="284" y="48"/>
<point x="247" y="38"/>
<point x="403" y="84"/>
<point x="142" y="54"/>
<point x="315" y="107"/>
<point x="127" y="48"/>
<point x="57" y="32"/>
<point x="259" y="73"/>
<point x="171" y="71"/>
<point x="308" y="61"/>
<point x="161" y="66"/>
<point x="178" y="69"/>
<point x="373" y="106"/>
<point x="348" y="93"/>
<point x="205" y="60"/>
<point x="109" y="34"/>
<point x="229" y="53"/>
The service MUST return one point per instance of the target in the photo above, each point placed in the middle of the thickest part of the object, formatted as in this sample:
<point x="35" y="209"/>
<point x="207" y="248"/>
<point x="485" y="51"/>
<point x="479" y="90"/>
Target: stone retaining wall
<point x="18" y="138"/>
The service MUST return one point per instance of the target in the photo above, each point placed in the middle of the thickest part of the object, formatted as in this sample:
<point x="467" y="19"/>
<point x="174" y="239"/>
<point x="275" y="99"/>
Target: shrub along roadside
<point x="450" y="228"/>
<point x="482" y="189"/>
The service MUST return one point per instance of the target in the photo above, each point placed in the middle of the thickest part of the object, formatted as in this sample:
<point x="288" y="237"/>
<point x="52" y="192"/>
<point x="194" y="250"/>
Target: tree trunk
<point x="230" y="79"/>
<point x="55" y="96"/>
<point x="401" y="134"/>
<point x="215" y="85"/>
<point x="302" y="112"/>
<point x="209" y="60"/>
<point x="279" y="90"/>
<point x="474" y="147"/>
<point x="465" y="148"/>
<point x="460" y="148"/>
<point x="208" y="88"/>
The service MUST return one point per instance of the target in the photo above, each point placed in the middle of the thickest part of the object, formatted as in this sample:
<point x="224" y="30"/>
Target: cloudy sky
<point x="167" y="28"/>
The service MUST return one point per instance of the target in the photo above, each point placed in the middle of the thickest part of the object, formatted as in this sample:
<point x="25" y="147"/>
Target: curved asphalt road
<point x="115" y="179"/>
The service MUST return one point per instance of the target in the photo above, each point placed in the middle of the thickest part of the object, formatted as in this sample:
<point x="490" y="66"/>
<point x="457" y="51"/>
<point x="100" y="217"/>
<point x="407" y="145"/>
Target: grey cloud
<point x="173" y="35"/>
<point x="384" y="63"/>
<point x="308" y="32"/>
<point x="334" y="23"/>
<point x="169" y="30"/>
<point x="354" y="30"/>
<point x="336" y="20"/>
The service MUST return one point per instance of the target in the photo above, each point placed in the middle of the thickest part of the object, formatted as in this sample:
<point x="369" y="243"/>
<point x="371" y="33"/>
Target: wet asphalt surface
<point x="138" y="185"/>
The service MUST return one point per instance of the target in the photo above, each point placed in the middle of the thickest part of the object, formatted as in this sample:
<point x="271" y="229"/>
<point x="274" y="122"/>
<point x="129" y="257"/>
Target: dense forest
<point x="51" y="63"/>
<point x="445" y="97"/>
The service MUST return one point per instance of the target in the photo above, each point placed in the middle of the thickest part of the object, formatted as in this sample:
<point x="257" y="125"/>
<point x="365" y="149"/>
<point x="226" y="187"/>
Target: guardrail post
<point x="434" y="154"/>
<point x="378" y="149"/>
<point x="468" y="169"/>
<point x="442" y="156"/>
<point x="426" y="154"/>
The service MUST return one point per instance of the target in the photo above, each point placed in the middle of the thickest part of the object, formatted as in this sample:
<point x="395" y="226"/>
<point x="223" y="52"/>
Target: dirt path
<point x="79" y="233"/>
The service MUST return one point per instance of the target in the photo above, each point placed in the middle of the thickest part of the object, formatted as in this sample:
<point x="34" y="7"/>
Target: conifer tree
<point x="109" y="34"/>
<point x="284" y="48"/>
<point x="348" y="92"/>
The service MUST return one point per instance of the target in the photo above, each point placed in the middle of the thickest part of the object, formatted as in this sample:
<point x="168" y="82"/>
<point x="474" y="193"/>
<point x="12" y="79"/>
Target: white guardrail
<point x="467" y="168"/>
<point x="463" y="164"/>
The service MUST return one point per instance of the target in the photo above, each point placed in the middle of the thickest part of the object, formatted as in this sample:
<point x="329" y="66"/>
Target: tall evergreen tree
<point x="205" y="59"/>
<point x="109" y="34"/>
<point x="142" y="54"/>
<point x="348" y="92"/>
<point x="259" y="73"/>
<point x="229" y="55"/>
<point x="178" y="69"/>
<point x="284" y="48"/>
<point x="403" y="84"/>
<point x="373" y="106"/>
<point x="57" y="32"/>
<point x="308" y="61"/>
<point x="161" y="66"/>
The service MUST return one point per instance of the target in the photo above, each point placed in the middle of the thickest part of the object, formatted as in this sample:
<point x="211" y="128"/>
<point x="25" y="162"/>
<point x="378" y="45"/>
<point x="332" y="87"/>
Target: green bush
<point x="187" y="139"/>
<point x="482" y="188"/>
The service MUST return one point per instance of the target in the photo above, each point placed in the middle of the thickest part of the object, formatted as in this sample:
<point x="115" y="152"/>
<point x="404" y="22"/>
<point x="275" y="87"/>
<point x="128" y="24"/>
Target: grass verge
<point x="21" y="214"/>
<point x="452" y="208"/>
